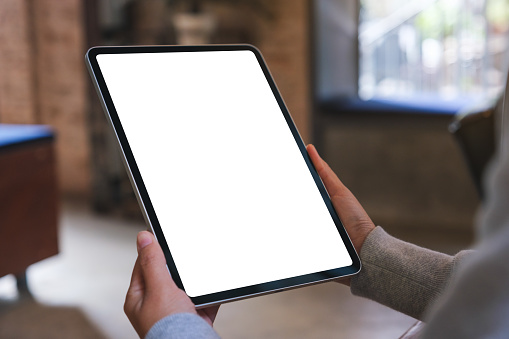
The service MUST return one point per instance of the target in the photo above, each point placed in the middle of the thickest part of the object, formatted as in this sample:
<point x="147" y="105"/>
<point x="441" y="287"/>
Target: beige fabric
<point x="476" y="305"/>
<point x="402" y="276"/>
<point x="470" y="300"/>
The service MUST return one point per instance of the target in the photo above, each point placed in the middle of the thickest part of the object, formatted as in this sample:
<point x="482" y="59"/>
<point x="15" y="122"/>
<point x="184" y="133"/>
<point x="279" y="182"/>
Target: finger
<point x="136" y="278"/>
<point x="334" y="186"/>
<point x="343" y="200"/>
<point x="134" y="293"/>
<point x="153" y="264"/>
<point x="330" y="180"/>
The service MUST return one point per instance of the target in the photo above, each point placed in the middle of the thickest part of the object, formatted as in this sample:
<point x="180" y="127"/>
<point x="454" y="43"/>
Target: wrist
<point x="362" y="233"/>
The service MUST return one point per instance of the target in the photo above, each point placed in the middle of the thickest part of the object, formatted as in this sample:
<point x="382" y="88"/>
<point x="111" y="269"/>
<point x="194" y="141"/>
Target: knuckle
<point x="127" y="309"/>
<point x="364" y="222"/>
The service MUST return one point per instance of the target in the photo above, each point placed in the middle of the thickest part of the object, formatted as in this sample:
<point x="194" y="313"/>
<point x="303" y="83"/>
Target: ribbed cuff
<point x="400" y="275"/>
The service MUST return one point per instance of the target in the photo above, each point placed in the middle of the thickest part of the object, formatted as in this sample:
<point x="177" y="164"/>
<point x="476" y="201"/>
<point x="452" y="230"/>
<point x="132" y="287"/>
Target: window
<point x="448" y="49"/>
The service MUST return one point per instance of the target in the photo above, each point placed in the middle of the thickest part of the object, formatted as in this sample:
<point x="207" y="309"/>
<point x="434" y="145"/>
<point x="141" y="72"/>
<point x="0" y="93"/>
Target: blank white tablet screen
<point x="232" y="193"/>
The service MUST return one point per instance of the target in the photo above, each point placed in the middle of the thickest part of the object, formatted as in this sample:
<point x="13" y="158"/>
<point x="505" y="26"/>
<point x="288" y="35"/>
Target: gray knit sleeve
<point x="402" y="276"/>
<point x="182" y="326"/>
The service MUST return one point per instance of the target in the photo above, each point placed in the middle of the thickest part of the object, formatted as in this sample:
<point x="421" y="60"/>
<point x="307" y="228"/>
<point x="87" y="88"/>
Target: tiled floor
<point x="94" y="267"/>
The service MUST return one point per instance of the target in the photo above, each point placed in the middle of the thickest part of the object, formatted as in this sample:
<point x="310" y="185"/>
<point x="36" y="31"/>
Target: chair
<point x="474" y="131"/>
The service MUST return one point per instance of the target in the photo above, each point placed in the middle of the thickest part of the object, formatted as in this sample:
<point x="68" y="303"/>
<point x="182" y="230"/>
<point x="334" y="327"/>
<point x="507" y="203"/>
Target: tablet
<point x="220" y="171"/>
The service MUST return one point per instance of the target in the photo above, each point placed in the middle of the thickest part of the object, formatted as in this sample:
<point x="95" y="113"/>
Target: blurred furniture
<point x="336" y="110"/>
<point x="28" y="199"/>
<point x="474" y="129"/>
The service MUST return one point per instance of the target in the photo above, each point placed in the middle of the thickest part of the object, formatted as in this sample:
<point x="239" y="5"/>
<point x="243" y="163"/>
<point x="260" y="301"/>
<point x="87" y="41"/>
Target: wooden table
<point x="28" y="198"/>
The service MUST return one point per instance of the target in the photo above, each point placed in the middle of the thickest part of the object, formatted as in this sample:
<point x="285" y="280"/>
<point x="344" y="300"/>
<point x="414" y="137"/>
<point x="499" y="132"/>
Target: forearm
<point x="402" y="276"/>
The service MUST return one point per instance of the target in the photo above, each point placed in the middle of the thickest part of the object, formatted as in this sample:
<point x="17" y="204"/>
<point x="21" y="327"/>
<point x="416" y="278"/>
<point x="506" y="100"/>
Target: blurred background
<point x="398" y="96"/>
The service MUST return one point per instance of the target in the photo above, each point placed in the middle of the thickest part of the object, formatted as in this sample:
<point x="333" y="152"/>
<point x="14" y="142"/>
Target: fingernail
<point x="144" y="239"/>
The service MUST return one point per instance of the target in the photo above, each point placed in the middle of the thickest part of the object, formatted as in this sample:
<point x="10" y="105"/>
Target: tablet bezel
<point x="144" y="199"/>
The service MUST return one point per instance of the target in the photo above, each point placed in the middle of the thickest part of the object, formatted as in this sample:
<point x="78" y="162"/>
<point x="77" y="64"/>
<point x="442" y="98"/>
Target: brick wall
<point x="284" y="43"/>
<point x="43" y="79"/>
<point x="17" y="103"/>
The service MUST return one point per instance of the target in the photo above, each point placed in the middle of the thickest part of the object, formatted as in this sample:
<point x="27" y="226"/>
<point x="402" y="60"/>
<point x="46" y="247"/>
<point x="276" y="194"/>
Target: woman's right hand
<point x="355" y="219"/>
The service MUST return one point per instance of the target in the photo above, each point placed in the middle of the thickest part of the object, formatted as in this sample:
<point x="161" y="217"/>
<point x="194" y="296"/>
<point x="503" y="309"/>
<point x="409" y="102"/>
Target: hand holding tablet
<point x="220" y="170"/>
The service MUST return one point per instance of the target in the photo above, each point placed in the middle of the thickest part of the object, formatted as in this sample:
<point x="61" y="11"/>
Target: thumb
<point x="350" y="211"/>
<point x="335" y="188"/>
<point x="345" y="203"/>
<point x="152" y="264"/>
